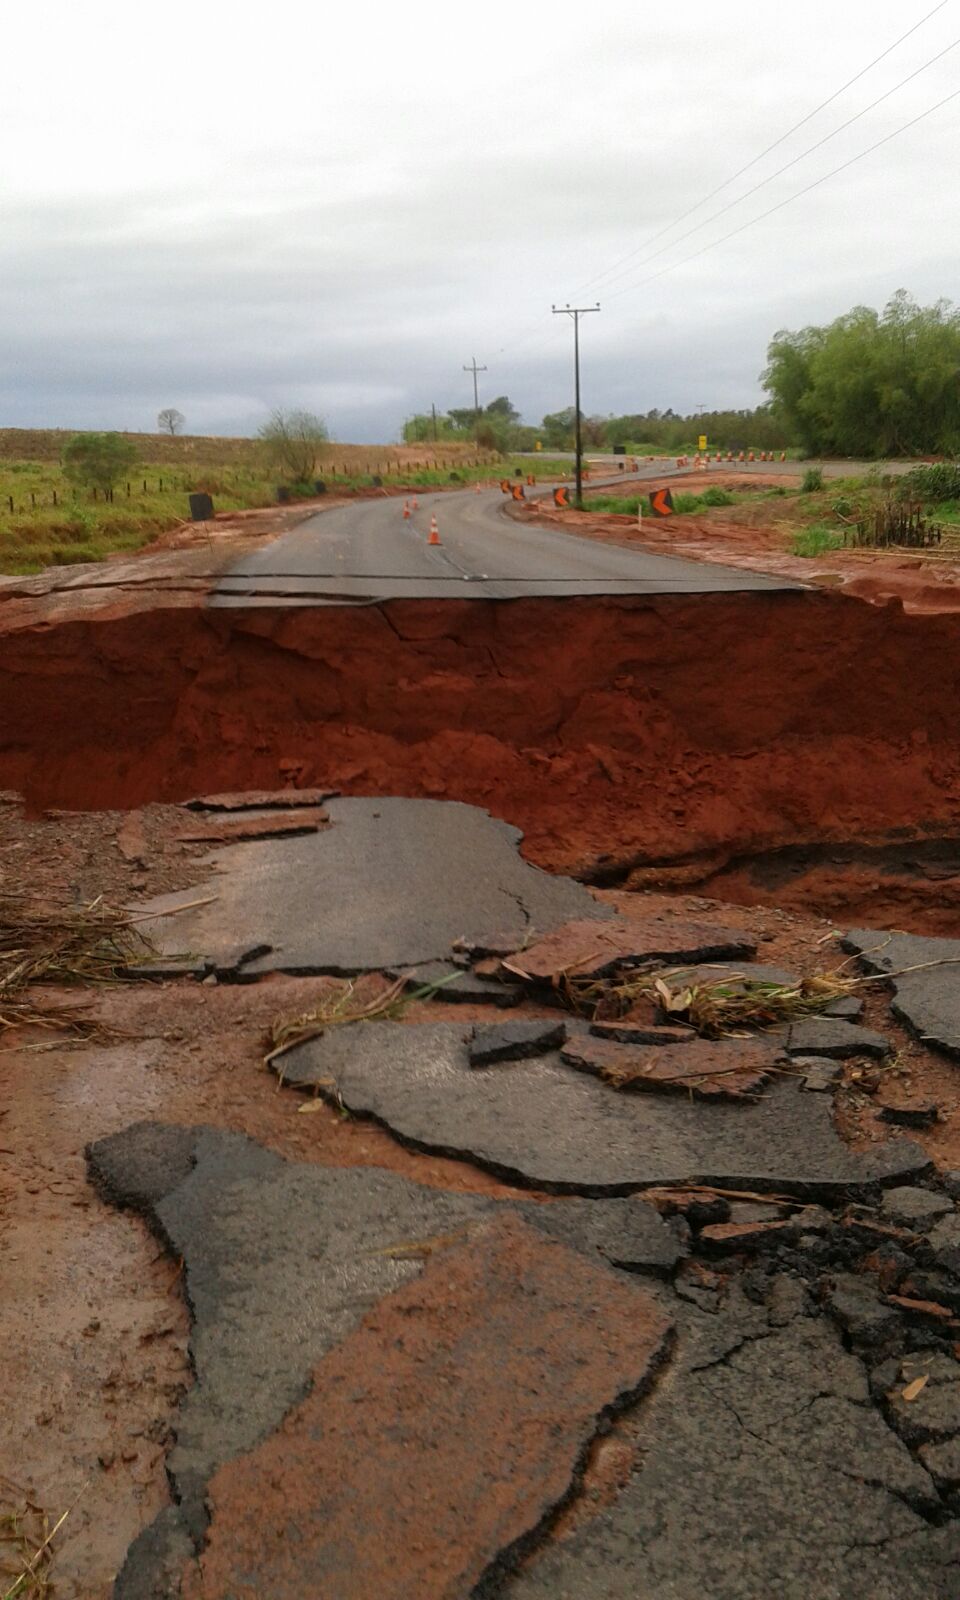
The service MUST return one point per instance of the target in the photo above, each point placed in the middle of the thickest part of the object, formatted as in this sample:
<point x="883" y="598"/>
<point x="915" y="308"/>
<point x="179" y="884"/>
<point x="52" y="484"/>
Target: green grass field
<point x="46" y="522"/>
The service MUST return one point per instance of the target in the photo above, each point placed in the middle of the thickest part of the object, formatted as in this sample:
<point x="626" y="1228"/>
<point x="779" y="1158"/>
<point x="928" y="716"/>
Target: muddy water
<point x="688" y="739"/>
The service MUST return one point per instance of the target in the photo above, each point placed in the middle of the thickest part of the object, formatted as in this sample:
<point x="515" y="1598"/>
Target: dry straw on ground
<point x="63" y="944"/>
<point x="26" y="1543"/>
<point x="715" y="1007"/>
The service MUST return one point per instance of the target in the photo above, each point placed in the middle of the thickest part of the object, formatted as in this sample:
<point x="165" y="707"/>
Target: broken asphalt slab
<point x="442" y="1434"/>
<point x="927" y="999"/>
<point x="392" y="883"/>
<point x="284" y="1264"/>
<point x="588" y="950"/>
<point x="396" y="1388"/>
<point x="761" y="1469"/>
<point x="546" y="1125"/>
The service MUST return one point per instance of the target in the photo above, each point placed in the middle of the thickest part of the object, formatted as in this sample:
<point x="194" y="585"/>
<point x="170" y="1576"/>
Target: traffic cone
<point x="783" y="455"/>
<point x="476" y="487"/>
<point x="406" y="511"/>
<point x="434" y="535"/>
<point x="413" y="504"/>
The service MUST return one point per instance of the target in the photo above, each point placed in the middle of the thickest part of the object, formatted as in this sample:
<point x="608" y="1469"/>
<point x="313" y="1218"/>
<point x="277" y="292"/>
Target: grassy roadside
<point x="811" y="521"/>
<point x="45" y="521"/>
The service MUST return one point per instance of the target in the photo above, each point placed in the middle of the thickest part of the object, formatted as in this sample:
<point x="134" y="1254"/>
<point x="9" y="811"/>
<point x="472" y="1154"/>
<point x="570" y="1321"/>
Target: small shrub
<point x="812" y="481"/>
<point x="715" y="496"/>
<point x="816" y="540"/>
<point x="685" y="503"/>
<point x="843" y="508"/>
<point x="932" y="484"/>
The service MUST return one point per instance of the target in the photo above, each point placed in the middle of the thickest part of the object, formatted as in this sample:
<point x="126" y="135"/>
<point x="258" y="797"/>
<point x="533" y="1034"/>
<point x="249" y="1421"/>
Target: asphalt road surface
<point x="367" y="552"/>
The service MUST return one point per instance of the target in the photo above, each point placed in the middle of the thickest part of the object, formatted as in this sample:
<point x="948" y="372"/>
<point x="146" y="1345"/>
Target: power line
<point x="792" y="163"/>
<point x="789" y="199"/>
<point x="770" y="147"/>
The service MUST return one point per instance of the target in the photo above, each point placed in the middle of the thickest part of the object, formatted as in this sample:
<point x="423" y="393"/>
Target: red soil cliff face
<point x="612" y="731"/>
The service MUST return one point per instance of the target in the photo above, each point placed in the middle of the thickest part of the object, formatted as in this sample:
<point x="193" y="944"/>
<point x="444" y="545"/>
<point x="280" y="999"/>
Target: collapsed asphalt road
<point x="702" y="1348"/>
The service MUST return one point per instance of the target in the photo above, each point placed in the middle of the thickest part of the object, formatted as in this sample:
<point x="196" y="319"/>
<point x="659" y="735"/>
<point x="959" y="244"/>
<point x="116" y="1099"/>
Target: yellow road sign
<point x="702" y="442"/>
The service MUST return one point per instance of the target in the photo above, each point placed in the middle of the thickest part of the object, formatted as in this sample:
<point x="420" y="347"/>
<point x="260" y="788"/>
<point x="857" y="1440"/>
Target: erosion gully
<point x="798" y="749"/>
<point x="792" y="749"/>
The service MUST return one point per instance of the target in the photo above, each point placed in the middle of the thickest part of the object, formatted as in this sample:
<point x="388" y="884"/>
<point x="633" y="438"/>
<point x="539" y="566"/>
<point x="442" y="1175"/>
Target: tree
<point x="871" y="383"/>
<point x="558" y="429"/>
<point x="292" y="442"/>
<point x="171" y="421"/>
<point x="98" y="460"/>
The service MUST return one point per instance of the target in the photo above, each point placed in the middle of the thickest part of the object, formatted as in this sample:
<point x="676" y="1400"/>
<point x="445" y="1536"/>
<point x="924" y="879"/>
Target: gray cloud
<point x="347" y="237"/>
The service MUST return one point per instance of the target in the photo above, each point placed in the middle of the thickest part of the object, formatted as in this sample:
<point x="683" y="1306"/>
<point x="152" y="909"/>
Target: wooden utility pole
<point x="476" y="394"/>
<point x="576" y="312"/>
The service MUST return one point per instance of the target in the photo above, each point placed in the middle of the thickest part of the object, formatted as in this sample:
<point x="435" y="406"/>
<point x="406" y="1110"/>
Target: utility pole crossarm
<point x="576" y="312"/>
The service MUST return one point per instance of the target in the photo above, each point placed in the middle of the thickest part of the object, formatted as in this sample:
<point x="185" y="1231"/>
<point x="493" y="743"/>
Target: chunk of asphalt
<point x="928" y="999"/>
<point x="872" y="1326"/>
<point x="848" y="1007"/>
<point x="916" y="1208"/>
<point x="628" y="1032"/>
<point x="513" y="1041"/>
<point x="764" y="1471"/>
<point x="910" y="1111"/>
<point x="830" y="1036"/>
<point x="393" y="884"/>
<point x="944" y="1240"/>
<point x="589" y="950"/>
<point x="551" y="1127"/>
<point x="261" y="800"/>
<point x="709" y="1069"/>
<point x="820" y="1073"/>
<point x="457" y="986"/>
<point x="282" y="1262"/>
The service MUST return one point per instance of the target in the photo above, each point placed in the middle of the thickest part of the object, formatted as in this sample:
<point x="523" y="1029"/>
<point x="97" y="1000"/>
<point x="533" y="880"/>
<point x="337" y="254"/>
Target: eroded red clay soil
<point x="663" y="737"/>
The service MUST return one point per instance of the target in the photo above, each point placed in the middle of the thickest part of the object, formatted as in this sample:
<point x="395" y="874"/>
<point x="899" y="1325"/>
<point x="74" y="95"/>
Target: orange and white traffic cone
<point x="406" y="511"/>
<point x="434" y="535"/>
<point x="783" y="455"/>
<point x="413" y="504"/>
<point x="476" y="487"/>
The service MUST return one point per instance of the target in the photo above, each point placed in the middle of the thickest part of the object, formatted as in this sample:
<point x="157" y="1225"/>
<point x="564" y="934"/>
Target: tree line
<point x="870" y="384"/>
<point x="499" y="427"/>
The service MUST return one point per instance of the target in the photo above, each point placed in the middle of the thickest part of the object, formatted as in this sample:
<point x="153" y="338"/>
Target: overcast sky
<point x="229" y="207"/>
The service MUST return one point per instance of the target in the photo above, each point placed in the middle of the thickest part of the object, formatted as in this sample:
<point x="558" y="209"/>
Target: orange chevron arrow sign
<point x="519" y="492"/>
<point x="560" y="497"/>
<point x="504" y="485"/>
<point x="661" y="502"/>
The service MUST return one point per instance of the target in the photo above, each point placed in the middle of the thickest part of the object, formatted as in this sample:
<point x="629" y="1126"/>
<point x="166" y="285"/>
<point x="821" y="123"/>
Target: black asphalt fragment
<point x="391" y="884"/>
<point x="548" y="1126"/>
<point x="926" y="997"/>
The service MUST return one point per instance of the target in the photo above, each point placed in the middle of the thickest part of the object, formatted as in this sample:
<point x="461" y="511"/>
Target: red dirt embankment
<point x="617" y="733"/>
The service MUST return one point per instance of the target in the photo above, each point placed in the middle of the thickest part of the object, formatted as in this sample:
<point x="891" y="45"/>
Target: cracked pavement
<point x="396" y="1391"/>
